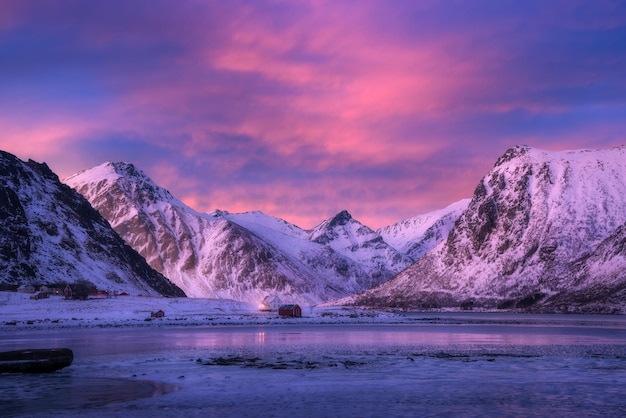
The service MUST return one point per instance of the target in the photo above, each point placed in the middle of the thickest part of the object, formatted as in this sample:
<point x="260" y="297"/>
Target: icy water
<point x="431" y="365"/>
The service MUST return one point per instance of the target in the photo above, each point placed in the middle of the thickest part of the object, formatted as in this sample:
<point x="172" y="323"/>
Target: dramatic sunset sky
<point x="301" y="109"/>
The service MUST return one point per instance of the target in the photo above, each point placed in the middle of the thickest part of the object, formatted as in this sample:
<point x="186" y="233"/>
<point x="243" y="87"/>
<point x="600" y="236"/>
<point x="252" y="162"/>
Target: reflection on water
<point x="421" y="329"/>
<point x="405" y="335"/>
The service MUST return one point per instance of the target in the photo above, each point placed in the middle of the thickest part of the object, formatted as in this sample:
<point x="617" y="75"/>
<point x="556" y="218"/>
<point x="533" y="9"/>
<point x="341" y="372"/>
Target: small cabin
<point x="99" y="294"/>
<point x="39" y="295"/>
<point x="292" y="310"/>
<point x="26" y="288"/>
<point x="270" y="304"/>
<point x="47" y="290"/>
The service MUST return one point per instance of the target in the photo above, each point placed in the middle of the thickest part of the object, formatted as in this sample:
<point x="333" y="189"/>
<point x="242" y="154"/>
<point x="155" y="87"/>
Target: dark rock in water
<point x="36" y="360"/>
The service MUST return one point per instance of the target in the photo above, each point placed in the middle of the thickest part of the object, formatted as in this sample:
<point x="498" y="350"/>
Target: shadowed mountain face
<point x="49" y="234"/>
<point x="536" y="224"/>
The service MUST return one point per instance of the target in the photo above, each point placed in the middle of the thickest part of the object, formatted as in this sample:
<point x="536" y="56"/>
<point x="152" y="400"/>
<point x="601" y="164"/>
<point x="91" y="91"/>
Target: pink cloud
<point x="302" y="109"/>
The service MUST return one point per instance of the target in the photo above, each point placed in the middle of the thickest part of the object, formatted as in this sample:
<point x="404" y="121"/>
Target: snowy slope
<point x="349" y="237"/>
<point x="595" y="282"/>
<point x="341" y="252"/>
<point x="51" y="235"/>
<point x="205" y="255"/>
<point x="532" y="216"/>
<point x="340" y="244"/>
<point x="418" y="235"/>
<point x="245" y="256"/>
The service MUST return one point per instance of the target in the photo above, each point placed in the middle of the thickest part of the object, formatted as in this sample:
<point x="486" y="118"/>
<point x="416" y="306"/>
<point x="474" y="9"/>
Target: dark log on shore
<point x="36" y="360"/>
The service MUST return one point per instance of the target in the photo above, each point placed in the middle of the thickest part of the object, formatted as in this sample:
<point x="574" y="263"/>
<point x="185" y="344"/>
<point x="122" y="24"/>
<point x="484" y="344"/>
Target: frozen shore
<point x="18" y="311"/>
<point x="222" y="358"/>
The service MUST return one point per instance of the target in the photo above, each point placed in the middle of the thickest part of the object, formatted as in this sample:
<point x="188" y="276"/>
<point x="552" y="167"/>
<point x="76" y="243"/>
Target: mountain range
<point x="544" y="231"/>
<point x="248" y="256"/>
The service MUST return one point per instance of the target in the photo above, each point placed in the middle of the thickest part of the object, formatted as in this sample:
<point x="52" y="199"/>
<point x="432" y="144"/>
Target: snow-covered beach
<point x="18" y="311"/>
<point x="215" y="357"/>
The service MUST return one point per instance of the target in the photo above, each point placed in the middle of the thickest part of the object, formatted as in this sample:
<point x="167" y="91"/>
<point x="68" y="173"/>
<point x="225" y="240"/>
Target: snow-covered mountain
<point x="246" y="256"/>
<point x="597" y="282"/>
<point x="532" y="233"/>
<point x="418" y="235"/>
<point x="340" y="248"/>
<point x="49" y="234"/>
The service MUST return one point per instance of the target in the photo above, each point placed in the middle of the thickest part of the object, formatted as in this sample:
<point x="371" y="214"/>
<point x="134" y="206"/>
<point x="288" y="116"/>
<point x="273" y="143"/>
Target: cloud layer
<point x="302" y="109"/>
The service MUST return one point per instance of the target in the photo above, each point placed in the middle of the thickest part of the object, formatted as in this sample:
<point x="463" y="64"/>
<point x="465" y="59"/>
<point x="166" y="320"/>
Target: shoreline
<point x="19" y="313"/>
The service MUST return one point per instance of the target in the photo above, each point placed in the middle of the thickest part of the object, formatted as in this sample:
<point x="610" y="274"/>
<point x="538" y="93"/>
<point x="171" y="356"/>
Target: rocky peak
<point x="136" y="183"/>
<point x="340" y="219"/>
<point x="116" y="188"/>
<point x="418" y="235"/>
<point x="512" y="153"/>
<point x="125" y="169"/>
<point x="341" y="226"/>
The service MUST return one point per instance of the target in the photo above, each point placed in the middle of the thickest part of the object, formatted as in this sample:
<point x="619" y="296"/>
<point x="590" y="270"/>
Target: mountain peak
<point x="512" y="153"/>
<point x="112" y="171"/>
<point x="125" y="176"/>
<point x="125" y="169"/>
<point x="339" y="219"/>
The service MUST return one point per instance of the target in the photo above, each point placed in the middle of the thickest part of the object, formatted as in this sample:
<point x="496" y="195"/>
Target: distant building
<point x="292" y="310"/>
<point x="46" y="289"/>
<point x="271" y="303"/>
<point x="99" y="294"/>
<point x="26" y="288"/>
<point x="39" y="295"/>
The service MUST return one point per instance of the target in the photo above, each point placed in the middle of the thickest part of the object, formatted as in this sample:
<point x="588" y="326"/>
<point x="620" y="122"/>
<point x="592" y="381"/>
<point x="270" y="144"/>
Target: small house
<point x="292" y="310"/>
<point x="271" y="303"/>
<point x="26" y="288"/>
<point x="39" y="295"/>
<point x="99" y="294"/>
<point x="47" y="290"/>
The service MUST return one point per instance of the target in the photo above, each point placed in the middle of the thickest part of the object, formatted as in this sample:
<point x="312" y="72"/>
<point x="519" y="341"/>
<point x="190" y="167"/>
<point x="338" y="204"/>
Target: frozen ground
<point x="210" y="358"/>
<point x="17" y="311"/>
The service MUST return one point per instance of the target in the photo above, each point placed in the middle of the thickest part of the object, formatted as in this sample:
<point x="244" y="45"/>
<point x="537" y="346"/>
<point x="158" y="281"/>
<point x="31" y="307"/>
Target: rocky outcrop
<point x="50" y="234"/>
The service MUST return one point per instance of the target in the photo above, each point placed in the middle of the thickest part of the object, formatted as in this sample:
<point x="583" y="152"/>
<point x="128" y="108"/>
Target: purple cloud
<point x="301" y="109"/>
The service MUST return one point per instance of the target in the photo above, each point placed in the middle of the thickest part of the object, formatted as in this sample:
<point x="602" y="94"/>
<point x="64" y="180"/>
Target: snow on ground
<point x="18" y="311"/>
<point x="221" y="358"/>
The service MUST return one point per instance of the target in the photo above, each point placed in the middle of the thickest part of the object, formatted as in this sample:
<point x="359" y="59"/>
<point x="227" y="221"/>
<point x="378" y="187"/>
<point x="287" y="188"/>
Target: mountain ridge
<point x="531" y="217"/>
<point x="50" y="234"/>
<point x="339" y="257"/>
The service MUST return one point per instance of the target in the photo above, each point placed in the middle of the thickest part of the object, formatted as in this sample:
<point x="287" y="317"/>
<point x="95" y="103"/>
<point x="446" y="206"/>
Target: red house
<point x="292" y="310"/>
